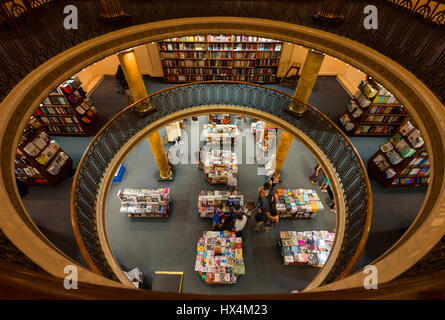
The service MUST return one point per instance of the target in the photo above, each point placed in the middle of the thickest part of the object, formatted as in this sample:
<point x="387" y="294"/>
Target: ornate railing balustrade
<point x="409" y="32"/>
<point x="339" y="151"/>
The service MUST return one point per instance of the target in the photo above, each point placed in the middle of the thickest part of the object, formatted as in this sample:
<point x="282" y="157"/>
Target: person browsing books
<point x="222" y="216"/>
<point x="240" y="223"/>
<point x="216" y="220"/>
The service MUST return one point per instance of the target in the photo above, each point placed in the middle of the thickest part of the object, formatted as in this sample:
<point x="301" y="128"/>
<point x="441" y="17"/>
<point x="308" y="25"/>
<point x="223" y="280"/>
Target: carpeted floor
<point x="170" y="244"/>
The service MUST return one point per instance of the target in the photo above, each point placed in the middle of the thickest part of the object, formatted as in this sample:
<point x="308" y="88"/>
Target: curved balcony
<point x="319" y="134"/>
<point x="415" y="41"/>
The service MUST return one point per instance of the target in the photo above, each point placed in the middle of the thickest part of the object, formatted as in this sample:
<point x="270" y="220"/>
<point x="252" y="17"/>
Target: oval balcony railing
<point x="341" y="154"/>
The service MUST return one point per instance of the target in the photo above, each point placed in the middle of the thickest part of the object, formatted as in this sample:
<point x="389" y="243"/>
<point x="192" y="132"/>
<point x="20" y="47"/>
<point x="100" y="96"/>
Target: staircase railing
<point x="340" y="152"/>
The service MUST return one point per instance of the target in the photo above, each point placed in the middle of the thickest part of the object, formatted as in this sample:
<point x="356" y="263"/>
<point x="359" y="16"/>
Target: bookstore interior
<point x="220" y="252"/>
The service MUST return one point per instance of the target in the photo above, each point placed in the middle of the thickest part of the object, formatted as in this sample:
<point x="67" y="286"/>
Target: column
<point x="136" y="84"/>
<point x="306" y="83"/>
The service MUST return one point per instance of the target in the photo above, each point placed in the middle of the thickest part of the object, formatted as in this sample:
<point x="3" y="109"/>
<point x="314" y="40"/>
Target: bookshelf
<point x="39" y="160"/>
<point x="296" y="203"/>
<point x="67" y="111"/>
<point x="219" y="257"/>
<point x="373" y="111"/>
<point x="306" y="248"/>
<point x="143" y="203"/>
<point x="217" y="163"/>
<point x="223" y="57"/>
<point x="209" y="200"/>
<point x="402" y="161"/>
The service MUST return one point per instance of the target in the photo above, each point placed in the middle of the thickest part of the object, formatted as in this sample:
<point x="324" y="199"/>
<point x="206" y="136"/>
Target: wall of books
<point x="68" y="111"/>
<point x="402" y="161"/>
<point x="223" y="57"/>
<point x="373" y="111"/>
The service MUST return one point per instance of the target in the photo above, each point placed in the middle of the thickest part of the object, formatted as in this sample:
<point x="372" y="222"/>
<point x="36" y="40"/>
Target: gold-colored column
<point x="306" y="83"/>
<point x="136" y="84"/>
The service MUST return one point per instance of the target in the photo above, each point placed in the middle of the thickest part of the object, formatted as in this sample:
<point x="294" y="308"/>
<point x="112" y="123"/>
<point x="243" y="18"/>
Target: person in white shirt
<point x="240" y="223"/>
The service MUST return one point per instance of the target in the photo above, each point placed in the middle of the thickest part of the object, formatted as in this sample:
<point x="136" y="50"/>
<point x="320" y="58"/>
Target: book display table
<point x="296" y="203"/>
<point x="306" y="248"/>
<point x="209" y="200"/>
<point x="143" y="203"/>
<point x="220" y="133"/>
<point x="219" y="258"/>
<point x="217" y="163"/>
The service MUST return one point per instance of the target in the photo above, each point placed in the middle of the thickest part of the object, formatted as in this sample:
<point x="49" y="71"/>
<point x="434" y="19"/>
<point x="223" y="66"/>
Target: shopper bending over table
<point x="272" y="219"/>
<point x="260" y="217"/>
<point x="325" y="185"/>
<point x="240" y="223"/>
<point x="221" y="214"/>
<point x="216" y="220"/>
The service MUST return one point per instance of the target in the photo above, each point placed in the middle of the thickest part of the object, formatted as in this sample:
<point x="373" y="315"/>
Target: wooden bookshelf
<point x="225" y="57"/>
<point x="412" y="171"/>
<point x="32" y="172"/>
<point x="373" y="111"/>
<point x="67" y="111"/>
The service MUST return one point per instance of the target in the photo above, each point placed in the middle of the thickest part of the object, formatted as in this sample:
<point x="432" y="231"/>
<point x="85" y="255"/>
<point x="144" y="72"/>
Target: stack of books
<point x="145" y="203"/>
<point x="297" y="203"/>
<point x="217" y="163"/>
<point x="219" y="258"/>
<point x="307" y="247"/>
<point x="208" y="201"/>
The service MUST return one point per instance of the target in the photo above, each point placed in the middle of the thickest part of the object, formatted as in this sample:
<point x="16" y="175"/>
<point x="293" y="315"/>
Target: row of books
<point x="55" y="100"/>
<point x="189" y="39"/>
<point x="383" y="129"/>
<point x="188" y="78"/>
<point x="27" y="171"/>
<point x="420" y="162"/>
<point x="52" y="110"/>
<point x="297" y="203"/>
<point x="411" y="181"/>
<point x="185" y="63"/>
<point x="383" y="119"/>
<point x="240" y="72"/>
<point x="65" y="129"/>
<point x="376" y="92"/>
<point x="269" y="47"/>
<point x="268" y="55"/>
<point x="307" y="247"/>
<point x="209" y="200"/>
<point x="220" y="38"/>
<point x="59" y="120"/>
<point x="183" y="55"/>
<point x="267" y="62"/>
<point x="220" y="55"/>
<point x="245" y="46"/>
<point x="415" y="172"/>
<point x="219" y="132"/>
<point x="220" y="47"/>
<point x="387" y="109"/>
<point x="219" y="257"/>
<point x="166" y="46"/>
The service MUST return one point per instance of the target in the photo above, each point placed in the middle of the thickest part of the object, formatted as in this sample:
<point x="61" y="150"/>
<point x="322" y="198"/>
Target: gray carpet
<point x="170" y="244"/>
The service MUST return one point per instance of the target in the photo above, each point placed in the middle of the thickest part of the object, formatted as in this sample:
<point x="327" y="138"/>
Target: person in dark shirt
<point x="121" y="85"/>
<point x="221" y="214"/>
<point x="216" y="220"/>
